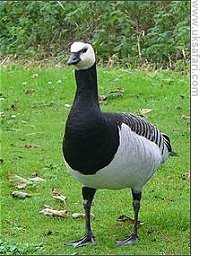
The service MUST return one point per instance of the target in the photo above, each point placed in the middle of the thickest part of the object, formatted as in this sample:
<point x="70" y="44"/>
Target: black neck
<point x="89" y="142"/>
<point x="86" y="105"/>
<point x="86" y="81"/>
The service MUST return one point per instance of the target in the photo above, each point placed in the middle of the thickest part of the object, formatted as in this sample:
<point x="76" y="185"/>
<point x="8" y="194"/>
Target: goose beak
<point x="74" y="58"/>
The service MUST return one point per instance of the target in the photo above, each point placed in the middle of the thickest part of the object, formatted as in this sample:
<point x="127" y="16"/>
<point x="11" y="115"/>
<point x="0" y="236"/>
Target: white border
<point x="195" y="129"/>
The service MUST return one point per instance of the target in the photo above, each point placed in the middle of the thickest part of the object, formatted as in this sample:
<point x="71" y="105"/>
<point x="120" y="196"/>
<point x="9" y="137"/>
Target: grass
<point x="38" y="118"/>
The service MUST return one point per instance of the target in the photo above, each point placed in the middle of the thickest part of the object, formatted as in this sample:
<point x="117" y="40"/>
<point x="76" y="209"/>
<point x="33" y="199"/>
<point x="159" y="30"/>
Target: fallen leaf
<point x="81" y="215"/>
<point x="29" y="91"/>
<point x="67" y="105"/>
<point x="76" y="203"/>
<point x="2" y="115"/>
<point x="144" y="111"/>
<point x="166" y="239"/>
<point x="46" y="206"/>
<point x="185" y="117"/>
<point x="13" y="116"/>
<point x="20" y="194"/>
<point x="186" y="176"/>
<point x="36" y="179"/>
<point x="35" y="75"/>
<point x="54" y="213"/>
<point x="116" y="93"/>
<point x="31" y="146"/>
<point x="57" y="195"/>
<point x="124" y="218"/>
<point x="20" y="182"/>
<point x="118" y="90"/>
<point x="102" y="98"/>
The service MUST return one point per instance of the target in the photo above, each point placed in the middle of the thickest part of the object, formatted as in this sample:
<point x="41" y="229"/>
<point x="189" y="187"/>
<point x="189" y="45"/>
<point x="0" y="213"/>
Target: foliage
<point x="123" y="32"/>
<point x="16" y="249"/>
<point x="168" y="40"/>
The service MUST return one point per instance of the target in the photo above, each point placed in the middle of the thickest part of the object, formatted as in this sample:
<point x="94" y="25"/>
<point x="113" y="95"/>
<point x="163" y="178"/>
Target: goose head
<point x="82" y="55"/>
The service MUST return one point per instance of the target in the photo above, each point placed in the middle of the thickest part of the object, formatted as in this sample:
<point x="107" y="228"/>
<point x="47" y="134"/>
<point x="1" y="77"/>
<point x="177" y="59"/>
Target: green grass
<point x="39" y="118"/>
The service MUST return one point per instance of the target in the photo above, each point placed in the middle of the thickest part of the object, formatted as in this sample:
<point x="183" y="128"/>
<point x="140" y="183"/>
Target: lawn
<point x="35" y="102"/>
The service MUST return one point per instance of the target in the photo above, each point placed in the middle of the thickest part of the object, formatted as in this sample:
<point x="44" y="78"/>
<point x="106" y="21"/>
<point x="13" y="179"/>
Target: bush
<point x="128" y="33"/>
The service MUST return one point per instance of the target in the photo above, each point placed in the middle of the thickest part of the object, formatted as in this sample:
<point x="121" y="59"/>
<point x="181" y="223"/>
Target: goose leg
<point x="88" y="195"/>
<point x="136" y="194"/>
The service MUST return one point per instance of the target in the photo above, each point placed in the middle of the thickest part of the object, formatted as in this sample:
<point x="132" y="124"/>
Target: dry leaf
<point x="81" y="215"/>
<point x="13" y="116"/>
<point x="36" y="179"/>
<point x="116" y="93"/>
<point x="144" y="111"/>
<point x="57" y="195"/>
<point x="102" y="98"/>
<point x="20" y="182"/>
<point x="21" y="185"/>
<point x="67" y="105"/>
<point x="186" y="176"/>
<point x="2" y="115"/>
<point x="124" y="218"/>
<point x="118" y="90"/>
<point x="46" y="206"/>
<point x="35" y="75"/>
<point x="31" y="146"/>
<point x="29" y="91"/>
<point x="185" y="117"/>
<point x="20" y="194"/>
<point x="54" y="213"/>
<point x="166" y="239"/>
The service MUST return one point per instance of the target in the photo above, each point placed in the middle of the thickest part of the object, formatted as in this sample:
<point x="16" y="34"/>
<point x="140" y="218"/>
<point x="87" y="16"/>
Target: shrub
<point x="128" y="33"/>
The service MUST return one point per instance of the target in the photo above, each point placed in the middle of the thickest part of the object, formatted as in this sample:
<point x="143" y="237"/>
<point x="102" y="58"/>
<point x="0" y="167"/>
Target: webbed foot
<point x="132" y="239"/>
<point x="86" y="240"/>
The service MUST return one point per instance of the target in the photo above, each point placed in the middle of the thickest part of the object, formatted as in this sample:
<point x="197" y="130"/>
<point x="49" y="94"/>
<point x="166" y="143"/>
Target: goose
<point x="105" y="150"/>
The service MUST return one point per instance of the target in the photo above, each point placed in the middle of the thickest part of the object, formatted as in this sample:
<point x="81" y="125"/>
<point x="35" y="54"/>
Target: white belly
<point x="134" y="163"/>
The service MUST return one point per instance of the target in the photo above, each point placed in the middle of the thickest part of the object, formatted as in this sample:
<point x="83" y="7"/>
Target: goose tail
<point x="167" y="143"/>
<point x="174" y="154"/>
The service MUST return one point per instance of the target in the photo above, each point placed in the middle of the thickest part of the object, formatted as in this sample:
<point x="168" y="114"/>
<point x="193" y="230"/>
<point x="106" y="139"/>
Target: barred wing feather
<point x="141" y="127"/>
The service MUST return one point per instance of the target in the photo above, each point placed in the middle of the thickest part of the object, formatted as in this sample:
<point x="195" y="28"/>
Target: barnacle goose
<point x="107" y="150"/>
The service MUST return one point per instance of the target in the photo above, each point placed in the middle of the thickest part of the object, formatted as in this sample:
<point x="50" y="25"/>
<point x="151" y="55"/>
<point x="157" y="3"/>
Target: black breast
<point x="89" y="143"/>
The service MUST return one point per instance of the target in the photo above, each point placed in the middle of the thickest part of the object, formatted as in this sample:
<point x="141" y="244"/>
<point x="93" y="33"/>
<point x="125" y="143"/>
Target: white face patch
<point x="87" y="56"/>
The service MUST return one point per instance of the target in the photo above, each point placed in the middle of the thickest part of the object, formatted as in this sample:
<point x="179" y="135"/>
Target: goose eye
<point x="84" y="50"/>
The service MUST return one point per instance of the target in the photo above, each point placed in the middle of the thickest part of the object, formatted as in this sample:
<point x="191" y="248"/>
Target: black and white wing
<point x="141" y="127"/>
